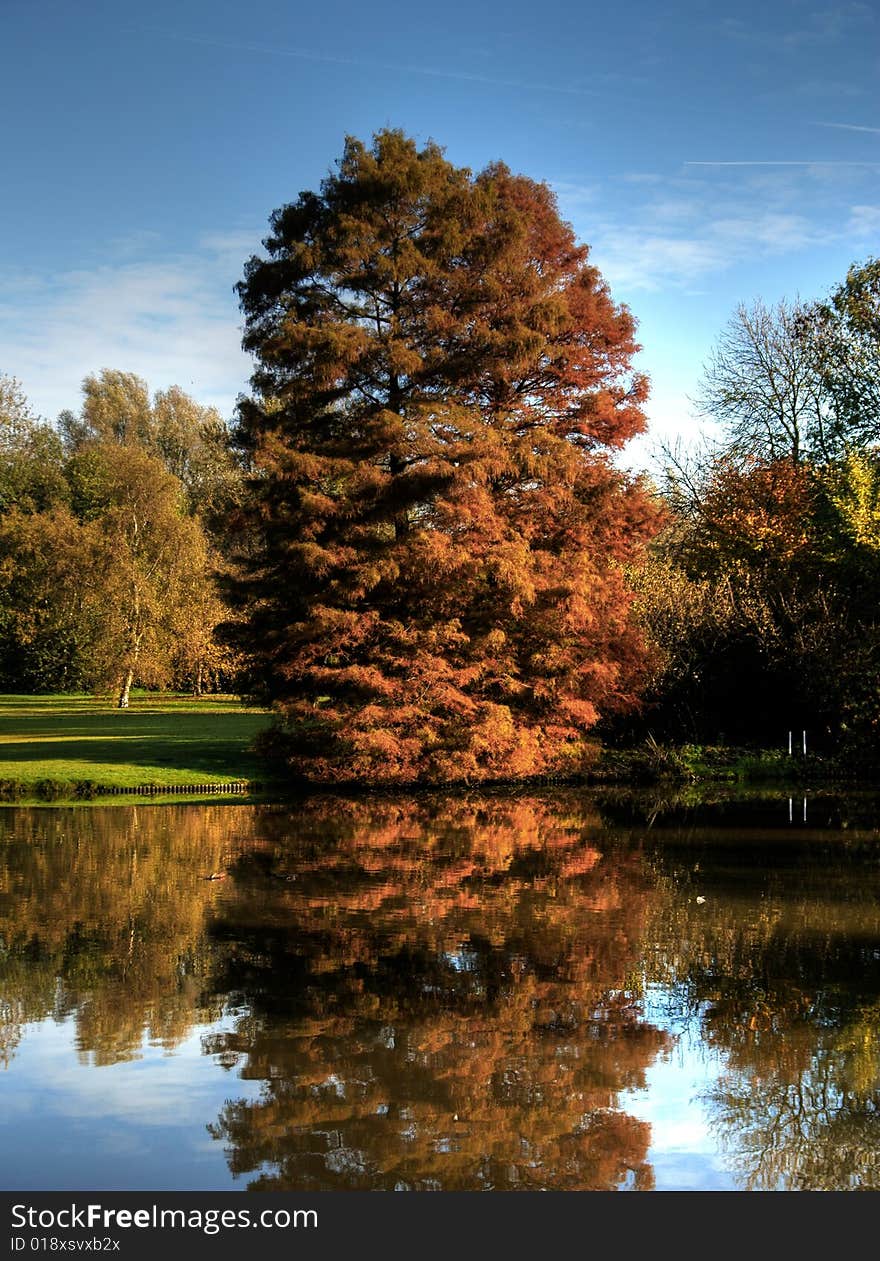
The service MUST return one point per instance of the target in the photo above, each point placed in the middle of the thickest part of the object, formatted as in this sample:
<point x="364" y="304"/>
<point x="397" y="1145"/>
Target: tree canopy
<point x="106" y="565"/>
<point x="433" y="579"/>
<point x="191" y="440"/>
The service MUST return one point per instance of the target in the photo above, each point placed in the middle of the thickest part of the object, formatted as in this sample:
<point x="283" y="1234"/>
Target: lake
<point x="555" y="990"/>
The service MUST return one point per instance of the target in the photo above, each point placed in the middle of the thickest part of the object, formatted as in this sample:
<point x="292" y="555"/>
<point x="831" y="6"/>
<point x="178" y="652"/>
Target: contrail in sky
<point x="875" y="131"/>
<point x="304" y="54"/>
<point x="784" y="162"/>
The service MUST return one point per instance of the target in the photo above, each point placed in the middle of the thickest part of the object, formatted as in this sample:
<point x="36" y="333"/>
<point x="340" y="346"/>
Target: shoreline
<point x="625" y="771"/>
<point x="75" y="749"/>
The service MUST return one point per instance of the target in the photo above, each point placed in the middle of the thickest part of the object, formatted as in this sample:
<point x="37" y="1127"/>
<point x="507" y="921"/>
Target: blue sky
<point x="708" y="154"/>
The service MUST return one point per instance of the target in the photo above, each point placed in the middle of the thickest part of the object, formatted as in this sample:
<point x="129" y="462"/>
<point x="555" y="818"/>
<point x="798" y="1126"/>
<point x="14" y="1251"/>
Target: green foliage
<point x="191" y="441"/>
<point x="106" y="571"/>
<point x="851" y="489"/>
<point x="848" y="358"/>
<point x="31" y="455"/>
<point x="51" y="574"/>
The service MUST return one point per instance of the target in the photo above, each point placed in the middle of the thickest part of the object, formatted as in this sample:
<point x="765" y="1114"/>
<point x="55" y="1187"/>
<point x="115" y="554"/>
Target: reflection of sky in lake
<point x="142" y="1122"/>
<point x="682" y="1152"/>
<point x="138" y="1124"/>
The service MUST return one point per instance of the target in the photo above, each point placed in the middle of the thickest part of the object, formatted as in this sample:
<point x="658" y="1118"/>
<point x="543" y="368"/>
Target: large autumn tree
<point x="436" y="533"/>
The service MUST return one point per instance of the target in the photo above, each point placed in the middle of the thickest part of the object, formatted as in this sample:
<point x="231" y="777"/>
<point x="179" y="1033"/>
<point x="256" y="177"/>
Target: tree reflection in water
<point x="451" y="992"/>
<point x="443" y="998"/>
<point x="779" y="968"/>
<point x="102" y="918"/>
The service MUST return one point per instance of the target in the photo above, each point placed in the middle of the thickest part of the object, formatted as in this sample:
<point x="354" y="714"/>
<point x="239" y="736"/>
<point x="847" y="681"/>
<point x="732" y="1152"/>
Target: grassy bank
<point x="69" y="746"/>
<point x="681" y="764"/>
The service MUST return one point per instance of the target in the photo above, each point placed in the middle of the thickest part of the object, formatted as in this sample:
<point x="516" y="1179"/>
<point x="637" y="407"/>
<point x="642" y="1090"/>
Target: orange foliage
<point x="759" y="513"/>
<point x="442" y="999"/>
<point x="436" y="534"/>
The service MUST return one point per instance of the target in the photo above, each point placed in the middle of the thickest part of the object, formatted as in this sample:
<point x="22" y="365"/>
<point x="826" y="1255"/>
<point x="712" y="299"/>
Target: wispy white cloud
<point x="826" y="26"/>
<point x="230" y="247"/>
<point x="683" y="230"/>
<point x="635" y="258"/>
<point x="772" y="231"/>
<point x="814" y="26"/>
<point x="638" y="257"/>
<point x="171" y="318"/>
<point x="575" y="194"/>
<point x="864" y="222"/>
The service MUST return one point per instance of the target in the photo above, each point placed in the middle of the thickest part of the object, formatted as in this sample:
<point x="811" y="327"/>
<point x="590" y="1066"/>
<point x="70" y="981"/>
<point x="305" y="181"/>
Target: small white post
<point x="789" y="810"/>
<point x="805" y="809"/>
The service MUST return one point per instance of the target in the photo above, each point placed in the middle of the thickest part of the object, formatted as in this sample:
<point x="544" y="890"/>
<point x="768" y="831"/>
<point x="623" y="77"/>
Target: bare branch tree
<point x="762" y="385"/>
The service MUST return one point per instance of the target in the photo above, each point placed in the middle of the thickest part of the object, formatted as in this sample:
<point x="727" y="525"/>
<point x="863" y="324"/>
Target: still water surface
<point x="541" y="991"/>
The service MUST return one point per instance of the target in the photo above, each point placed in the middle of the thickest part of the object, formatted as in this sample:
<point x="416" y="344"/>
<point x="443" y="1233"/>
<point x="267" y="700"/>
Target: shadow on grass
<point x="46" y="732"/>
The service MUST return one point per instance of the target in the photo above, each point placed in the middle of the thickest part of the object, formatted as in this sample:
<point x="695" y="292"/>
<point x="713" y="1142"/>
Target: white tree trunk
<point x="125" y="689"/>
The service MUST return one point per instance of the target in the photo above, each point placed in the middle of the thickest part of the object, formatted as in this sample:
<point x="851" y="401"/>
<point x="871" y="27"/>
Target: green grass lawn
<point x="161" y="739"/>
